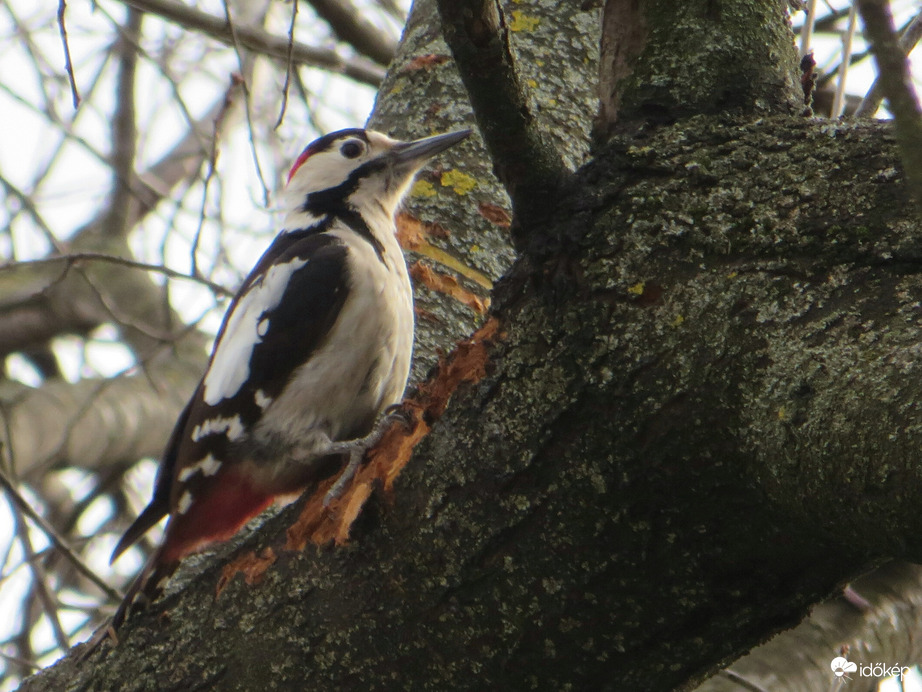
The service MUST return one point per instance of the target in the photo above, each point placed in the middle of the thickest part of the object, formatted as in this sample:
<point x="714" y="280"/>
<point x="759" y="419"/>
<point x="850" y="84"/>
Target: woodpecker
<point x="315" y="345"/>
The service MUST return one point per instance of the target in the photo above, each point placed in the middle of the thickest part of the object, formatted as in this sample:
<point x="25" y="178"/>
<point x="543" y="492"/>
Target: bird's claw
<point x="357" y="448"/>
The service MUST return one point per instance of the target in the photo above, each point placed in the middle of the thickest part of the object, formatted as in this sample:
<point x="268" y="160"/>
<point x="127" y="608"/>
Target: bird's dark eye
<point x="351" y="149"/>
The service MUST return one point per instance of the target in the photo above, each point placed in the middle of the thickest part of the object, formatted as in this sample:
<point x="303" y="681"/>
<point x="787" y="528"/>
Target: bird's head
<point x="356" y="168"/>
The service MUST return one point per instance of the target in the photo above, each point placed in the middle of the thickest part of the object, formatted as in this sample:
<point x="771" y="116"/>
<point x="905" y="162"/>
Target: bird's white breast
<point x="362" y="366"/>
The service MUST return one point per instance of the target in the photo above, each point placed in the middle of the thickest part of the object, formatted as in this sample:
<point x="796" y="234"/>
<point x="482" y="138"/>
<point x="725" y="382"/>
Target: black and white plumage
<point x="313" y="348"/>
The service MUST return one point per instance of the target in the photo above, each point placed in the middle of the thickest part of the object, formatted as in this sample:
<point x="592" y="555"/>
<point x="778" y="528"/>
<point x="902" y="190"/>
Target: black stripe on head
<point x="333" y="200"/>
<point x="326" y="142"/>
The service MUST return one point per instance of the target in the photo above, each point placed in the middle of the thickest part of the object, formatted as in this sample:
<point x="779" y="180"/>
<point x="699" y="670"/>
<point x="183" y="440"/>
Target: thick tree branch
<point x="624" y="29"/>
<point x="524" y="159"/>
<point x="691" y="453"/>
<point x="882" y="633"/>
<point x="706" y="57"/>
<point x="94" y="423"/>
<point x="456" y="226"/>
<point x="124" y="127"/>
<point x="896" y="84"/>
<point x="908" y="40"/>
<point x="260" y="41"/>
<point x="350" y="26"/>
<point x="40" y="305"/>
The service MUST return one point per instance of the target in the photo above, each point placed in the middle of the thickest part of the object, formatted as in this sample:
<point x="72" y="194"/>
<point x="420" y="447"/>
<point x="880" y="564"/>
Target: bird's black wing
<point x="281" y="315"/>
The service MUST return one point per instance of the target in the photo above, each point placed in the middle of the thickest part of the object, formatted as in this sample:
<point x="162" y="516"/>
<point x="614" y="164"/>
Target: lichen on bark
<point x="663" y="60"/>
<point x="620" y="502"/>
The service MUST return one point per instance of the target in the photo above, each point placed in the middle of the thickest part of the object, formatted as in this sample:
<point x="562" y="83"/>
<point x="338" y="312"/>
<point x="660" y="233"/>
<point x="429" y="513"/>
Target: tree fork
<point x="704" y="56"/>
<point x="529" y="526"/>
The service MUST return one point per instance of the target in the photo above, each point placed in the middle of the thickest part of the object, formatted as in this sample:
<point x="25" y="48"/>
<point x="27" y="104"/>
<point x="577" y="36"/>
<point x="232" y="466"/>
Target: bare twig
<point x="307" y="97"/>
<point x="124" y="126"/>
<point x="291" y="43"/>
<point x="121" y="316"/>
<point x="896" y="83"/>
<point x="244" y="69"/>
<point x="827" y="22"/>
<point x="68" y="65"/>
<point x="742" y="681"/>
<point x="62" y="127"/>
<point x="236" y="81"/>
<point x="261" y="41"/>
<point x="28" y="205"/>
<point x="806" y="32"/>
<point x="20" y="661"/>
<point x="40" y="580"/>
<point x="908" y="40"/>
<point x="392" y="9"/>
<point x="847" y="41"/>
<point x="53" y="536"/>
<point x="185" y="159"/>
<point x="38" y="320"/>
<point x="161" y="66"/>
<point x="528" y="165"/>
<point x="76" y="257"/>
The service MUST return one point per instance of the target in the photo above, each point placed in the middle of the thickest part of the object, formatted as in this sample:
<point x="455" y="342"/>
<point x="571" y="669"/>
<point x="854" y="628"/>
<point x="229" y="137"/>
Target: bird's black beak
<point x="417" y="151"/>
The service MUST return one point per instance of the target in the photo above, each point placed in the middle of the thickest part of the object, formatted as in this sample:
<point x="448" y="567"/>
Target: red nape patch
<point x="214" y="516"/>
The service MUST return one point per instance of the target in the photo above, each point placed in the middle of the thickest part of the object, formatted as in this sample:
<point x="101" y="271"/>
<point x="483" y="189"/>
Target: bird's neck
<point x="372" y="221"/>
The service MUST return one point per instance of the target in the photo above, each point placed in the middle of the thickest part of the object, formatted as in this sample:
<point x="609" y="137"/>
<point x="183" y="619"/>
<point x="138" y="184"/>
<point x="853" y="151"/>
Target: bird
<point x="313" y="349"/>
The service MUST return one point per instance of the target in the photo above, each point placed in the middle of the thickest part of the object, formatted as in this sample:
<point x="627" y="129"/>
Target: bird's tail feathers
<point x="145" y="588"/>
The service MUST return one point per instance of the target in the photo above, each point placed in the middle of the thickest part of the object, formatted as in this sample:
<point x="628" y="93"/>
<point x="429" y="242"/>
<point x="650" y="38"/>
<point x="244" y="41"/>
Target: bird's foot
<point x="356" y="449"/>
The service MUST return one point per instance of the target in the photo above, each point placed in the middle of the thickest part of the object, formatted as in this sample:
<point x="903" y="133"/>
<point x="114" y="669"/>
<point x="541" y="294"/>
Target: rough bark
<point x="663" y="60"/>
<point x="662" y="458"/>
<point x="456" y="227"/>
<point x="691" y="421"/>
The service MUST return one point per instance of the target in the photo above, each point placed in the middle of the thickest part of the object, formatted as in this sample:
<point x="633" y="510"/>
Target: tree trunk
<point x="658" y="461"/>
<point x="690" y="416"/>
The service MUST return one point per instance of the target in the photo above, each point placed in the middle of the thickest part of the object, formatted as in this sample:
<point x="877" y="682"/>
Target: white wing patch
<point x="231" y="426"/>
<point x="230" y="366"/>
<point x="208" y="466"/>
<point x="261" y="399"/>
<point x="185" y="502"/>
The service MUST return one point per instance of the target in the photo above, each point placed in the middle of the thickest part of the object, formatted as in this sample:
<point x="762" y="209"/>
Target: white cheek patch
<point x="231" y="426"/>
<point x="208" y="466"/>
<point x="322" y="171"/>
<point x="185" y="502"/>
<point x="230" y="366"/>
